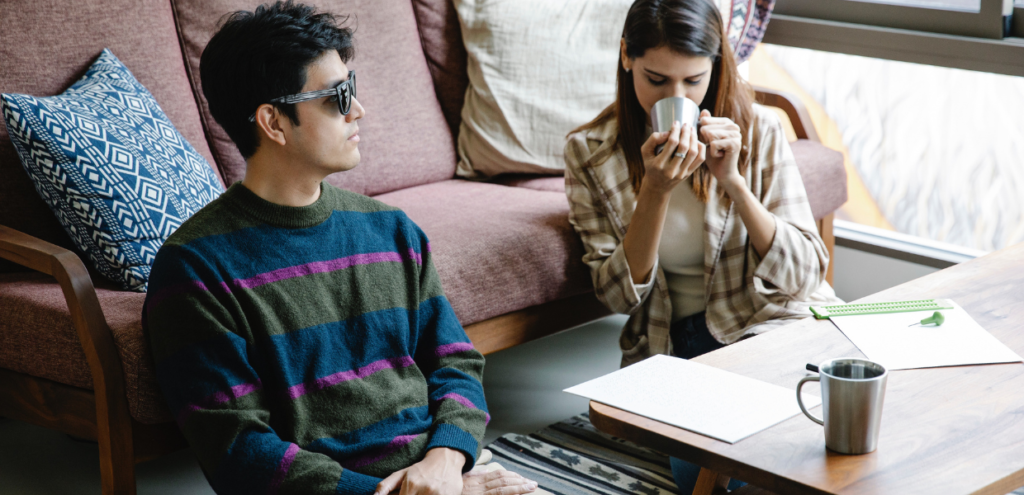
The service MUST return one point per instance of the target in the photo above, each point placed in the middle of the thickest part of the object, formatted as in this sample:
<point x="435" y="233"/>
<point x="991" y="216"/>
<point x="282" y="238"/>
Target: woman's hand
<point x="499" y="482"/>
<point x="439" y="473"/>
<point x="682" y="154"/>
<point x="724" y="144"/>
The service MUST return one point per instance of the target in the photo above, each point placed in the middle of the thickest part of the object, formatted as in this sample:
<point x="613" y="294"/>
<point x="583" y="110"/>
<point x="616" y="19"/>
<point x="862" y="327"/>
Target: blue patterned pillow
<point x="111" y="166"/>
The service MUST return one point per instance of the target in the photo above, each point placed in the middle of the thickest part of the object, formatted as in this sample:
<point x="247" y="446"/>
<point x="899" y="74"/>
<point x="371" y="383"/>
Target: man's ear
<point x="269" y="121"/>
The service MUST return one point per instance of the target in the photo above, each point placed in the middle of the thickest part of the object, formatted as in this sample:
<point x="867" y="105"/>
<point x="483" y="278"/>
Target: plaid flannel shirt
<point x="745" y="293"/>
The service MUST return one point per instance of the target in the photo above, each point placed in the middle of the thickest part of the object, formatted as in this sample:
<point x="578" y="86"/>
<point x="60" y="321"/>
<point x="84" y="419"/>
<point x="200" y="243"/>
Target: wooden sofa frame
<point x="102" y="414"/>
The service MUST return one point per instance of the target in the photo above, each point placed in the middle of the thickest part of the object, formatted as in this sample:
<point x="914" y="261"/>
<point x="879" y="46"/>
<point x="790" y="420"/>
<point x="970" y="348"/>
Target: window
<point x="932" y="152"/>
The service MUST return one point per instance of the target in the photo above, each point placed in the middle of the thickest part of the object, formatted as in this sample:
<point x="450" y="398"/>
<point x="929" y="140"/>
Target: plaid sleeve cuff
<point x="789" y="265"/>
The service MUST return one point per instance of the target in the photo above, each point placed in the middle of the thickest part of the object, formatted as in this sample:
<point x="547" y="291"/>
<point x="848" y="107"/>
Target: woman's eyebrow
<point x="651" y="72"/>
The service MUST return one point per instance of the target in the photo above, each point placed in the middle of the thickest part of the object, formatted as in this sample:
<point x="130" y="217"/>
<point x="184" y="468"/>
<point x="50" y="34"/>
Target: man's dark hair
<point x="261" y="55"/>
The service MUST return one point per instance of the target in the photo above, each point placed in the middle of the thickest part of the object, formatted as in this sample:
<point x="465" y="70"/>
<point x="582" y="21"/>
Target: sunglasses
<point x="344" y="92"/>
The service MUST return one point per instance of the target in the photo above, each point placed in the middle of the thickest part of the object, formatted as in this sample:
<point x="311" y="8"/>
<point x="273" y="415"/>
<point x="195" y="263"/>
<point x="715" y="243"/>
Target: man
<point x="301" y="335"/>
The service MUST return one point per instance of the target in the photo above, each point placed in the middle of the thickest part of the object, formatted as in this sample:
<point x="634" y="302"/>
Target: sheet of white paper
<point x="889" y="340"/>
<point x="696" y="397"/>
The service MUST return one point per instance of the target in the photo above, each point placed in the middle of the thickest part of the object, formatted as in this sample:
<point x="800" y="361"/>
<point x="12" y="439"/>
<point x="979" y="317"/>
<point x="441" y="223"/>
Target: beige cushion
<point x="537" y="70"/>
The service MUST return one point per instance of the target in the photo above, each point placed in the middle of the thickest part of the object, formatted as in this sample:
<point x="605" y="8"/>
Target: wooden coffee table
<point x="954" y="430"/>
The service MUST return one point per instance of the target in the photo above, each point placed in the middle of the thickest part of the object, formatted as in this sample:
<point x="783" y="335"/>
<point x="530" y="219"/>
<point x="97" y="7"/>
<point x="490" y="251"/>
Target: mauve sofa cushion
<point x="38" y="338"/>
<point x="824" y="176"/>
<point x="531" y="181"/>
<point x="405" y="140"/>
<point x="497" y="249"/>
<point x="46" y="45"/>
<point x="441" y="36"/>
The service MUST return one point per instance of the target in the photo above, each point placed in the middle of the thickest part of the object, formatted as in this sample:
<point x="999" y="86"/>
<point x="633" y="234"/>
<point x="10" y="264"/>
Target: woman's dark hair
<point x="692" y="28"/>
<point x="260" y="55"/>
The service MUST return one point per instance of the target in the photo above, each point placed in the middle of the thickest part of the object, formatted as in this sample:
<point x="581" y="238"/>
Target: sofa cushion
<point x="824" y="176"/>
<point x="405" y="140"/>
<point x="47" y="45"/>
<point x="441" y="37"/>
<point x="532" y="181"/>
<point x="38" y="338"/>
<point x="497" y="249"/>
<point x="114" y="170"/>
<point x="526" y="93"/>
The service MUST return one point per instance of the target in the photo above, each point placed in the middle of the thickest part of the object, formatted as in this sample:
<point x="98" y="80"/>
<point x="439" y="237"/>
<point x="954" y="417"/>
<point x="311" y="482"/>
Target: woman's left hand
<point x="724" y="142"/>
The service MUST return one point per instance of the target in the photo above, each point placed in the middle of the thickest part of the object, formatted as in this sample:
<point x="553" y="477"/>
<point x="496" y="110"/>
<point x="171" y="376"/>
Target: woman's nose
<point x="679" y="90"/>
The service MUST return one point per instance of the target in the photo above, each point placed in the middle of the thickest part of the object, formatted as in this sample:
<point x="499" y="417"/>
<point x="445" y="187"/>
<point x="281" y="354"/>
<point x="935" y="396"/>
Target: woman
<point x="712" y="239"/>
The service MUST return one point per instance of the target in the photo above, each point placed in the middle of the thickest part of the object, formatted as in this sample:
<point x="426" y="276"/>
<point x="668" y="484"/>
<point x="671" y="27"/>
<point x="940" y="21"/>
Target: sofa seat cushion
<point x="824" y="176"/>
<point x="497" y="249"/>
<point x="37" y="338"/>
<point x="532" y="181"/>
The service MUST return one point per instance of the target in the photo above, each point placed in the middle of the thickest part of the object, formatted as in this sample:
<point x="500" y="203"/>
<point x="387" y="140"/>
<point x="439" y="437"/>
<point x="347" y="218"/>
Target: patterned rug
<point x="571" y="457"/>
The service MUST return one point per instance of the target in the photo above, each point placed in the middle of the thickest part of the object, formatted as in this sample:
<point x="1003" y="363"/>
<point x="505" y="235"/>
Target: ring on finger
<point x="678" y="155"/>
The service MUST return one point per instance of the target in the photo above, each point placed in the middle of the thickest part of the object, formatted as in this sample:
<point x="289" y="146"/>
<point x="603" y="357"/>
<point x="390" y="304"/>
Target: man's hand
<point x="496" y="483"/>
<point x="439" y="473"/>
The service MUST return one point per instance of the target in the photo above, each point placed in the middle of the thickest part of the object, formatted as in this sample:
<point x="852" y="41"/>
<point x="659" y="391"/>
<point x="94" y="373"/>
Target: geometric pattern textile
<point x="574" y="458"/>
<point x="114" y="170"/>
<point x="745" y="24"/>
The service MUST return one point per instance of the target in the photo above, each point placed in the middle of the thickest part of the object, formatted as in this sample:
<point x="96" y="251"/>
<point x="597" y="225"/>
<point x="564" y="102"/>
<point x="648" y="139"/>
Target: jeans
<point x="691" y="338"/>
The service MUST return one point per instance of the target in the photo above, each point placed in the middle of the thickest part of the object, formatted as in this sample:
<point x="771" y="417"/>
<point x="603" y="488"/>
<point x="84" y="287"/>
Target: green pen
<point x="936" y="319"/>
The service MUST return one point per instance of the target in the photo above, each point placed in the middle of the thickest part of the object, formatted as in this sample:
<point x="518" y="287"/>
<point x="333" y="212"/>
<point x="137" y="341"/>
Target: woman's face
<point x="661" y="73"/>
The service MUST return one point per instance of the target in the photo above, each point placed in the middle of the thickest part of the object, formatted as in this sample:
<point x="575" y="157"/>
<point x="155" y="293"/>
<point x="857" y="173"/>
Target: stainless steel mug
<point x="852" y="392"/>
<point x="671" y="109"/>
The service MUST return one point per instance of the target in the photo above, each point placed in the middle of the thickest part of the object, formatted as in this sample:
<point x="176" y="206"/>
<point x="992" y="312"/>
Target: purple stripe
<point x="448" y="349"/>
<point x="313" y="268"/>
<point x="301" y="389"/>
<point x="282" y="469"/>
<point x="466" y="402"/>
<point x="286" y="273"/>
<point x="218" y="398"/>
<point x="392" y="447"/>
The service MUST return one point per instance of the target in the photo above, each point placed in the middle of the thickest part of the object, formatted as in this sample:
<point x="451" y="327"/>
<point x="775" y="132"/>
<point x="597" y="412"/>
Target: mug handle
<point x="800" y="401"/>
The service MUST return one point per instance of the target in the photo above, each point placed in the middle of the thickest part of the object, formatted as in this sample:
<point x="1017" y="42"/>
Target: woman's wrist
<point x="735" y="187"/>
<point x="653" y="193"/>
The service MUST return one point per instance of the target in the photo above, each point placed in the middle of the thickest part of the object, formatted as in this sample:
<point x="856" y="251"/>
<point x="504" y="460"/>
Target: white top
<point x="681" y="253"/>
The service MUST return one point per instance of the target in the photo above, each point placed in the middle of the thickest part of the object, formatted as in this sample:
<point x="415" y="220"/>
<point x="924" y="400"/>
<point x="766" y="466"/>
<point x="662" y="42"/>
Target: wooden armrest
<point x="87" y="316"/>
<point x="794" y="108"/>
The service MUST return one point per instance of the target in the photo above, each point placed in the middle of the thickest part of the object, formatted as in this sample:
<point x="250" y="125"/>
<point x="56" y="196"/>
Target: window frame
<point x="1017" y="23"/>
<point x="987" y="23"/>
<point x="1005" y="56"/>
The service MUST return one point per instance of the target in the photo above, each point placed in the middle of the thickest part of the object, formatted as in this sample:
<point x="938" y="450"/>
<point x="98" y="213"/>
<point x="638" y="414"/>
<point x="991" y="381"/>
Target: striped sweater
<point x="309" y="350"/>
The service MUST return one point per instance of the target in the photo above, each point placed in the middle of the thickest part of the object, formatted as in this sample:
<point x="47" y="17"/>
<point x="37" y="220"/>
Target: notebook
<point x="888" y="339"/>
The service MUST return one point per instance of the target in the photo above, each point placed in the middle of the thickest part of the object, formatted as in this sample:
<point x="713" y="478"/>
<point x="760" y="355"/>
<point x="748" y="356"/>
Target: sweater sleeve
<point x="209" y="375"/>
<point x="452" y="366"/>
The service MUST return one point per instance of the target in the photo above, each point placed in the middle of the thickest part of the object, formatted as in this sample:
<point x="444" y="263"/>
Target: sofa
<point x="72" y="353"/>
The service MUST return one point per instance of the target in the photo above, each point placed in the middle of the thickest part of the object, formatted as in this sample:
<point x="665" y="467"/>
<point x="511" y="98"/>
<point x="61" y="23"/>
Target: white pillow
<point x="540" y="68"/>
<point x="537" y="70"/>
